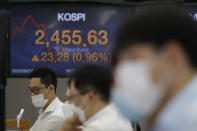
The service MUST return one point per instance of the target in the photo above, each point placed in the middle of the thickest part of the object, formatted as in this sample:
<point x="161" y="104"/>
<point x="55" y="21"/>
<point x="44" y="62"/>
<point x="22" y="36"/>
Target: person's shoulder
<point x="60" y="110"/>
<point x="111" y="120"/>
<point x="191" y="113"/>
<point x="53" y="123"/>
<point x="108" y="126"/>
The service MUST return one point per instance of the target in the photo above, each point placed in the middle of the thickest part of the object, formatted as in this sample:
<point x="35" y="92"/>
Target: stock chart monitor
<point x="62" y="36"/>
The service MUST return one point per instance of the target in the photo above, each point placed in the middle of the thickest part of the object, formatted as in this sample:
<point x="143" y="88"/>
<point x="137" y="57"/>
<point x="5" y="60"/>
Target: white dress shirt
<point x="52" y="118"/>
<point x="68" y="110"/>
<point x="180" y="114"/>
<point x="107" y="119"/>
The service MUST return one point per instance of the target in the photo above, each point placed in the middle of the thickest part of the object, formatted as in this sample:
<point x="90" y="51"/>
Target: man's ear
<point x="175" y="53"/>
<point x="51" y="88"/>
<point x="91" y="97"/>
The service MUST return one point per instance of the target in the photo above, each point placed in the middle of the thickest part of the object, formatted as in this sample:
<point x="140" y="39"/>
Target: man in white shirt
<point x="42" y="86"/>
<point x="155" y="69"/>
<point x="90" y="92"/>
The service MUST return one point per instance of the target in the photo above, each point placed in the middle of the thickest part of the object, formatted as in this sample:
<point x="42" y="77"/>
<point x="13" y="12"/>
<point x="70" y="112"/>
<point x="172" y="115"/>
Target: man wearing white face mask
<point x="155" y="70"/>
<point x="42" y="86"/>
<point x="90" y="90"/>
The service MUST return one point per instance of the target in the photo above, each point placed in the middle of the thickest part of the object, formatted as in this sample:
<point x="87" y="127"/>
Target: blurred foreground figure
<point x="89" y="93"/>
<point x="155" y="70"/>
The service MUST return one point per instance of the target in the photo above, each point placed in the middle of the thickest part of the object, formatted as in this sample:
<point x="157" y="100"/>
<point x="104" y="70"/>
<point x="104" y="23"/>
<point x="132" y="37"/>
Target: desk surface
<point x="11" y="125"/>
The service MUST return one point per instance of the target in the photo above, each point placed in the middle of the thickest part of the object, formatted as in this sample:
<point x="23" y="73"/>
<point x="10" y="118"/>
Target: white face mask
<point x="135" y="94"/>
<point x="38" y="100"/>
<point x="79" y="112"/>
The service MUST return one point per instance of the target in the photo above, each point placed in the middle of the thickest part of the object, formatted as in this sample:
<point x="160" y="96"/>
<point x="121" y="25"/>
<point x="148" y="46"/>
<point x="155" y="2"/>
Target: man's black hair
<point x="46" y="75"/>
<point x="92" y="77"/>
<point x="156" y="26"/>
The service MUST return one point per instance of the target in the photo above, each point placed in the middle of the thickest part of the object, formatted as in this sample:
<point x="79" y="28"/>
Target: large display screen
<point x="62" y="36"/>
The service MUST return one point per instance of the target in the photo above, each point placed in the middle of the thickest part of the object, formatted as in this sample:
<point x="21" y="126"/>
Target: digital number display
<point x="62" y="36"/>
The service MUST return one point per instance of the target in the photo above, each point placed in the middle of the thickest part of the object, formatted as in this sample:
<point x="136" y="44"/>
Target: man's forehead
<point x="72" y="87"/>
<point x="136" y="52"/>
<point x="35" y="81"/>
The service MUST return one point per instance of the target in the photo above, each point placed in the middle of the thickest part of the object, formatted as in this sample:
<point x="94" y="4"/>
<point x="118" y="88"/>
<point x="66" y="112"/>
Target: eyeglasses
<point x="67" y="98"/>
<point x="35" y="90"/>
<point x="72" y="97"/>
